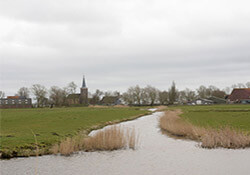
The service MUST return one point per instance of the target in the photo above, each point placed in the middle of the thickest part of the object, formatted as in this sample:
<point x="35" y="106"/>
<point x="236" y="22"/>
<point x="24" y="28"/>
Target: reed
<point x="226" y="138"/>
<point x="210" y="138"/>
<point x="108" y="139"/>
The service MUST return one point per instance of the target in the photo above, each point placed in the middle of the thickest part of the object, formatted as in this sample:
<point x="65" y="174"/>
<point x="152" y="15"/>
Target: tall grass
<point x="112" y="138"/>
<point x="210" y="138"/>
<point x="226" y="138"/>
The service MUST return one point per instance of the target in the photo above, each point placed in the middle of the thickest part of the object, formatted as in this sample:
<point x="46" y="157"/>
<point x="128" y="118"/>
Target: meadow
<point x="217" y="116"/>
<point x="21" y="129"/>
<point x="214" y="126"/>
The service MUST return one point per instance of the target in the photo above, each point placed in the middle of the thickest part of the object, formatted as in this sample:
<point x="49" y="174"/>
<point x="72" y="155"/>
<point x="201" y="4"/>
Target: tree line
<point x="43" y="96"/>
<point x="135" y="95"/>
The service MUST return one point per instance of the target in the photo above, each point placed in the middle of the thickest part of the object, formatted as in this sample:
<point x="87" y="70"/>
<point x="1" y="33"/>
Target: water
<point x="157" y="154"/>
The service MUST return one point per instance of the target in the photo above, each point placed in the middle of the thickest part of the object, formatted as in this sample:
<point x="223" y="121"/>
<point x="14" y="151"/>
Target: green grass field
<point x="216" y="116"/>
<point x="52" y="125"/>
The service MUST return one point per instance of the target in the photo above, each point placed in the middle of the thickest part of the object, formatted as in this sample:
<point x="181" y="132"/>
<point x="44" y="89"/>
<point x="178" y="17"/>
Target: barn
<point x="240" y="95"/>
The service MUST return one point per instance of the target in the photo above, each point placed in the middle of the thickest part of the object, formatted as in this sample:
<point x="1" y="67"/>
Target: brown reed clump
<point x="226" y="138"/>
<point x="112" y="138"/>
<point x="175" y="126"/>
<point x="209" y="138"/>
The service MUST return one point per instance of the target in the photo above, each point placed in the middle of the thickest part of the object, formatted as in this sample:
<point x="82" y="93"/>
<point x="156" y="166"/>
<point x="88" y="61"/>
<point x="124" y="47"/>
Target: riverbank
<point x="156" y="154"/>
<point x="223" y="136"/>
<point x="32" y="132"/>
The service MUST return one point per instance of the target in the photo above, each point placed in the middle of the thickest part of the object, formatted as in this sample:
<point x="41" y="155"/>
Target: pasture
<point x="217" y="116"/>
<point x="20" y="128"/>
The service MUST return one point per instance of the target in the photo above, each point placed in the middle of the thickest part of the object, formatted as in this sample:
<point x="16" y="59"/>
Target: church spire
<point x="83" y="82"/>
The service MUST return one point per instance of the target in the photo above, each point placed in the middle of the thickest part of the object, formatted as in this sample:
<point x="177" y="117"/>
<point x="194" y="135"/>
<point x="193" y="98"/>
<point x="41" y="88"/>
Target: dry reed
<point x="209" y="138"/>
<point x="112" y="138"/>
<point x="226" y="138"/>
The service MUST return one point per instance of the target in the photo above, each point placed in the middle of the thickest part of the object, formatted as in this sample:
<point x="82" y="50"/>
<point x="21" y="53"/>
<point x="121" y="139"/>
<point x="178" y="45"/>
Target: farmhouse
<point x="111" y="100"/>
<point x="217" y="100"/>
<point x="239" y="95"/>
<point x="81" y="98"/>
<point x="201" y="101"/>
<point x="15" y="102"/>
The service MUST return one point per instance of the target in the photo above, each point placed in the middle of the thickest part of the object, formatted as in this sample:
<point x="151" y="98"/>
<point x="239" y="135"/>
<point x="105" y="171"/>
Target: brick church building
<point x="81" y="98"/>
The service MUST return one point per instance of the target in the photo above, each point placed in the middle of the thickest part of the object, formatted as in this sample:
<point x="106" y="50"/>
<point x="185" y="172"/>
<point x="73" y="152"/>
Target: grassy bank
<point x="214" y="126"/>
<point x="50" y="126"/>
<point x="217" y="116"/>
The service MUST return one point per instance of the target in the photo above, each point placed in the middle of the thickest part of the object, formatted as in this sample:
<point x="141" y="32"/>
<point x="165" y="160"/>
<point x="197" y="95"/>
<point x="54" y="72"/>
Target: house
<point x="239" y="95"/>
<point x="110" y="100"/>
<point x="217" y="100"/>
<point x="80" y="98"/>
<point x="15" y="102"/>
<point x="201" y="101"/>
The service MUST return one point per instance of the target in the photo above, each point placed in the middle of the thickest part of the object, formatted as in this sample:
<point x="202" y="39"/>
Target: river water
<point x="157" y="154"/>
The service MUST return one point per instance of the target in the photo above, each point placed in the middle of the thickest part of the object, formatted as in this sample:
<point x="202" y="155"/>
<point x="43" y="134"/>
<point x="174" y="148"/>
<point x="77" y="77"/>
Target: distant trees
<point x="173" y="94"/>
<point x="151" y="94"/>
<point x="218" y="93"/>
<point x="96" y="97"/>
<point x="71" y="88"/>
<point x="2" y="94"/>
<point x="58" y="96"/>
<point x="206" y="92"/>
<point x="163" y="97"/>
<point x="241" y="85"/>
<point x="128" y="97"/>
<point x="187" y="95"/>
<point x="23" y="91"/>
<point x="141" y="96"/>
<point x="202" y="92"/>
<point x="135" y="95"/>
<point x="40" y="93"/>
<point x="248" y="84"/>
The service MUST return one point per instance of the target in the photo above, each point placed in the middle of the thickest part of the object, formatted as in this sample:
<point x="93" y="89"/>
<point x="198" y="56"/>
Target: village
<point x="124" y="87"/>
<point x="135" y="96"/>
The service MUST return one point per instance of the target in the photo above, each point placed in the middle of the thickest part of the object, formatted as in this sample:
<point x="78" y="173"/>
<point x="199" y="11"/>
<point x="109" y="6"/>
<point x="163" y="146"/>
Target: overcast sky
<point x="118" y="43"/>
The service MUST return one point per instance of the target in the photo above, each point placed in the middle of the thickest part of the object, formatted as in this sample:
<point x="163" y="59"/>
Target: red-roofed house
<point x="240" y="95"/>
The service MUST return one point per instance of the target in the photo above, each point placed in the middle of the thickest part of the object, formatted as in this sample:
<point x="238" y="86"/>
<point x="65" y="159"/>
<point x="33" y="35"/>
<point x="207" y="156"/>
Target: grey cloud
<point x="117" y="44"/>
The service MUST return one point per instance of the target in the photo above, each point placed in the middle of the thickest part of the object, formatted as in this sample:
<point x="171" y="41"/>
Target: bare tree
<point x="96" y="97"/>
<point x="163" y="97"/>
<point x="58" y="96"/>
<point x="40" y="93"/>
<point x="202" y="91"/>
<point x="2" y="94"/>
<point x="71" y="88"/>
<point x="227" y="90"/>
<point x="187" y="95"/>
<point x="239" y="85"/>
<point x="23" y="91"/>
<point x="108" y="93"/>
<point x="128" y="98"/>
<point x="133" y="95"/>
<point x="145" y="100"/>
<point x="248" y="84"/>
<point x="116" y="93"/>
<point x="173" y="93"/>
<point x="151" y="93"/>
<point x="137" y="94"/>
<point x="218" y="93"/>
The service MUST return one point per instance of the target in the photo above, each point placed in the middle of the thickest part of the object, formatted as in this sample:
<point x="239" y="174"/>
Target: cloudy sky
<point x="118" y="43"/>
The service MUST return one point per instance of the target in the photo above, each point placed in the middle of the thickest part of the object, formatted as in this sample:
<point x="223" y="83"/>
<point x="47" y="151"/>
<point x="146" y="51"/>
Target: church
<point x="81" y="98"/>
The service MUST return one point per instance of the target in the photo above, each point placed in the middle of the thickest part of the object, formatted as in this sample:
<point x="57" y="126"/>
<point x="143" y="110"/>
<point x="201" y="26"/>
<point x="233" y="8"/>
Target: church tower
<point x="84" y="93"/>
